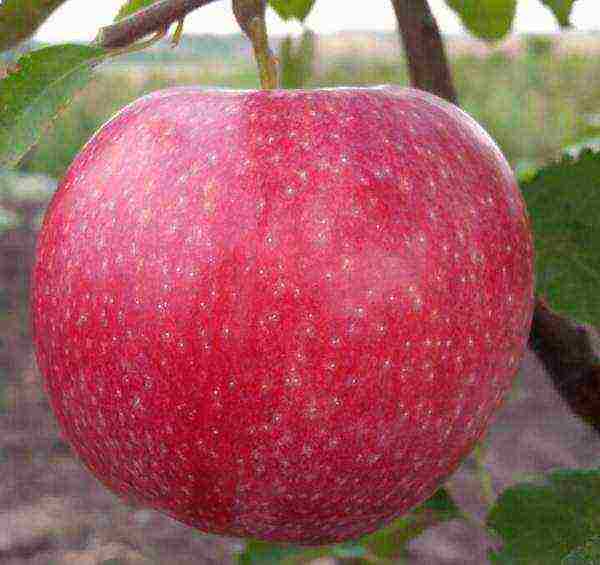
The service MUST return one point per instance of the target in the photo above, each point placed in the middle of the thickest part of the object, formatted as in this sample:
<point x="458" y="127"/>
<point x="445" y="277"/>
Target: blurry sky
<point x="80" y="19"/>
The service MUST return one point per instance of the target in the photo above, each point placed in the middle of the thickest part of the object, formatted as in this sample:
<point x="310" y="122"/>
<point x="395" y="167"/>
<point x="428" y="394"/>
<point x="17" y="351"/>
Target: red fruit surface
<point x="283" y="314"/>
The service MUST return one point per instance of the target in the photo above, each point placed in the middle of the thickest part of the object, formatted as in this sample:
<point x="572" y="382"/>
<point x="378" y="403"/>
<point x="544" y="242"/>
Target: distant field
<point x="534" y="94"/>
<point x="383" y="45"/>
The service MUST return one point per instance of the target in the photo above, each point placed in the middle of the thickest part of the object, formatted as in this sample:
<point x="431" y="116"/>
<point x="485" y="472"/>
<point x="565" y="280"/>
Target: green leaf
<point x="441" y="504"/>
<point x="19" y="19"/>
<point x="132" y="6"/>
<point x="292" y="9"/>
<point x="264" y="553"/>
<point x="588" y="554"/>
<point x="391" y="541"/>
<point x="488" y="19"/>
<point x="34" y="95"/>
<point x="564" y="203"/>
<point x="561" y="9"/>
<point x="541" y="522"/>
<point x="349" y="550"/>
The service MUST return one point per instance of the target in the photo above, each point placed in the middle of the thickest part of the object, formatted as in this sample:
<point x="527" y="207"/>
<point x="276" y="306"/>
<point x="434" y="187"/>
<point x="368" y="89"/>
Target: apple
<point x="282" y="314"/>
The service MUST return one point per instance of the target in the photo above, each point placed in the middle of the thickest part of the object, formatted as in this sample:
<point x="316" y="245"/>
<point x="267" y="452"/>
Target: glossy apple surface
<point x="284" y="314"/>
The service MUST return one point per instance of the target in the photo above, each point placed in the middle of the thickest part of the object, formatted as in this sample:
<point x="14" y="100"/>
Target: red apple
<point x="282" y="314"/>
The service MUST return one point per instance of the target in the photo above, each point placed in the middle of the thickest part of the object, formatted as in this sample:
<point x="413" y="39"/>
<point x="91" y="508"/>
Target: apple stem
<point x="250" y="15"/>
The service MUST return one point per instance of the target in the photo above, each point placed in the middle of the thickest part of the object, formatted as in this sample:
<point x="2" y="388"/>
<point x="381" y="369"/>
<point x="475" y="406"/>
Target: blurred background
<point x="537" y="92"/>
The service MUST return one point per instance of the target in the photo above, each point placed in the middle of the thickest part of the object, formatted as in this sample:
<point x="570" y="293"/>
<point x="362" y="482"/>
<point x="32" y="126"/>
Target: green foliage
<point x="539" y="45"/>
<point x="296" y="61"/>
<point x="493" y="19"/>
<point x="561" y="9"/>
<point x="19" y="19"/>
<point x="587" y="554"/>
<point x="349" y="550"/>
<point x="42" y="86"/>
<point x="523" y="102"/>
<point x="540" y="523"/>
<point x="264" y="553"/>
<point x="576" y="149"/>
<point x="391" y="542"/>
<point x="292" y="9"/>
<point x="564" y="203"/>
<point x="132" y="6"/>
<point x="488" y="19"/>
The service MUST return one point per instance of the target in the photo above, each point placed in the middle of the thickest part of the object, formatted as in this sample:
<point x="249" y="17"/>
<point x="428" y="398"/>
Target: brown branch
<point x="568" y="355"/>
<point x="427" y="62"/>
<point x="20" y="19"/>
<point x="564" y="348"/>
<point x="154" y="18"/>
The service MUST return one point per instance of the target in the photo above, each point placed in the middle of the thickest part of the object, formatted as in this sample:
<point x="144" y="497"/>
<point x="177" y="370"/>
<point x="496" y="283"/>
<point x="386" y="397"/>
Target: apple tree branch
<point x="567" y="353"/>
<point x="155" y="18"/>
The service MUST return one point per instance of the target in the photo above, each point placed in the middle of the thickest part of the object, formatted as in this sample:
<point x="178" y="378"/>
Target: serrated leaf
<point x="43" y="84"/>
<point x="132" y="6"/>
<point x="564" y="203"/>
<point x="541" y="522"/>
<point x="561" y="9"/>
<point x="488" y="19"/>
<point x="391" y="541"/>
<point x="292" y="9"/>
<point x="587" y="554"/>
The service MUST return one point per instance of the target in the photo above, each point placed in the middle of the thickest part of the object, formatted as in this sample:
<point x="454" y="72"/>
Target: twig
<point x="155" y="17"/>
<point x="427" y="62"/>
<point x="567" y="353"/>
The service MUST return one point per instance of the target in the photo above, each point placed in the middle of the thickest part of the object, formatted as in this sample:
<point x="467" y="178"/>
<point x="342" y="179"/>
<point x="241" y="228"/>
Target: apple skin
<point x="287" y="314"/>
